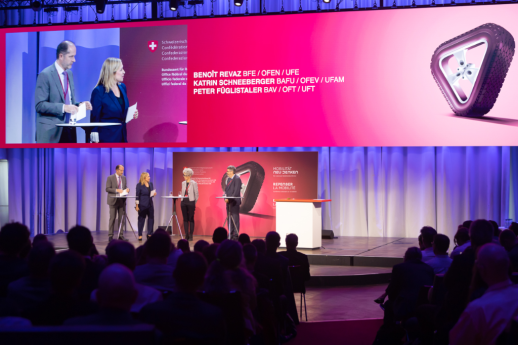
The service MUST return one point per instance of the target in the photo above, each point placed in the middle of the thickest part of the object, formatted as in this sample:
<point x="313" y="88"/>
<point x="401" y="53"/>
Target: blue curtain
<point x="375" y="192"/>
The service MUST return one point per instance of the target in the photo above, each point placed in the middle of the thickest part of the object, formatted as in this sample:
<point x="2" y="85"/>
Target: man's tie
<point x="228" y="181"/>
<point x="119" y="182"/>
<point x="67" y="98"/>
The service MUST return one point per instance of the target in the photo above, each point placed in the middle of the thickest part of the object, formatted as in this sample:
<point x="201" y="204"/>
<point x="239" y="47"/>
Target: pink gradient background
<point x="389" y="97"/>
<point x="211" y="212"/>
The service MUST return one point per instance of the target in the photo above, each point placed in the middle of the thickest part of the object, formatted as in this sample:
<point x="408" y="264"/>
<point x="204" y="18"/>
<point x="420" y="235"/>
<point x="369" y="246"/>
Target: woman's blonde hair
<point x="107" y="76"/>
<point x="143" y="177"/>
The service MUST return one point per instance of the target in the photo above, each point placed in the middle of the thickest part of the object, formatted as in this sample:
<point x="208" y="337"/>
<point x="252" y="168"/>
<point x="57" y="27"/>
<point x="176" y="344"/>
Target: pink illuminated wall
<point x="382" y="92"/>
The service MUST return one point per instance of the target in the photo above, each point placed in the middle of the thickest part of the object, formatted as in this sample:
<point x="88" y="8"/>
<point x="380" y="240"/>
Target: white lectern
<point x="174" y="214"/>
<point x="125" y="216"/>
<point x="302" y="217"/>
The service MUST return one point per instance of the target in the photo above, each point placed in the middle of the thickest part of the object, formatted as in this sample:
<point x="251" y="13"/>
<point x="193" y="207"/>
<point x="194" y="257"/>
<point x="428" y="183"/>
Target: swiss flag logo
<point x="152" y="46"/>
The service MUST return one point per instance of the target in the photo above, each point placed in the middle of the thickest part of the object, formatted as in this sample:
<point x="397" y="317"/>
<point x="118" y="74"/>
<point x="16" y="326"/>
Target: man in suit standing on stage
<point x="233" y="188"/>
<point x="116" y="183"/>
<point x="55" y="98"/>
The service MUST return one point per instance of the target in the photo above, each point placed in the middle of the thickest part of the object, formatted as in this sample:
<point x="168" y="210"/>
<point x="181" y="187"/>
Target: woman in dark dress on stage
<point x="110" y="104"/>
<point x="144" y="207"/>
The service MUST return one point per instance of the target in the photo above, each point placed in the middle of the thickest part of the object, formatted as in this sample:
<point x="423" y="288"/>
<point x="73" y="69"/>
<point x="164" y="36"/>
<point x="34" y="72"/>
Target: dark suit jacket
<point x="298" y="259"/>
<point x="49" y="100"/>
<point x="11" y="269"/>
<point x="106" y="108"/>
<point x="234" y="189"/>
<point x="183" y="314"/>
<point x="407" y="279"/>
<point x="143" y="196"/>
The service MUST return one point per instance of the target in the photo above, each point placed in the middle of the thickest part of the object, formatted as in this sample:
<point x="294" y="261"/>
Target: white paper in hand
<point x="131" y="112"/>
<point x="124" y="193"/>
<point x="153" y="192"/>
<point x="81" y="113"/>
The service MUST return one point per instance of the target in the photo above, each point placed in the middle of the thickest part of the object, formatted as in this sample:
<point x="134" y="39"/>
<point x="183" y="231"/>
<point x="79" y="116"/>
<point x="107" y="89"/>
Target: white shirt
<point x="440" y="263"/>
<point x="62" y="78"/>
<point x="460" y="249"/>
<point x="428" y="254"/>
<point x="486" y="317"/>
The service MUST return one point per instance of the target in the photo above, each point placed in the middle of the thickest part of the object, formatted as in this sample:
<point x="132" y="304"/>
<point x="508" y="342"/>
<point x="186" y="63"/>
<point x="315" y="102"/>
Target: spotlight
<point x="173" y="5"/>
<point x="238" y="2"/>
<point x="100" y="5"/>
<point x="36" y="6"/>
<point x="326" y="1"/>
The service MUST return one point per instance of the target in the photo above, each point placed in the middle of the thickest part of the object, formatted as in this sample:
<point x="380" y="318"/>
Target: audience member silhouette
<point x="243" y="239"/>
<point x="28" y="292"/>
<point x="14" y="237"/>
<point x="461" y="240"/>
<point x="122" y="252"/>
<point x="294" y="257"/>
<point x="66" y="273"/>
<point x="116" y="295"/>
<point x="485" y="318"/>
<point x="509" y="241"/>
<point x="183" y="245"/>
<point x="428" y="233"/>
<point x="39" y="238"/>
<point x="156" y="272"/>
<point x="225" y="275"/>
<point x="219" y="235"/>
<point x="80" y="240"/>
<point x="441" y="262"/>
<point x="182" y="315"/>
<point x="209" y="252"/>
<point x="200" y="246"/>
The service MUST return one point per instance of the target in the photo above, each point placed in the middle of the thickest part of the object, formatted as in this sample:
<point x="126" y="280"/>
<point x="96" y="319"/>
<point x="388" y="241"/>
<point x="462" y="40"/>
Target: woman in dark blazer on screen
<point x="144" y="207"/>
<point x="110" y="104"/>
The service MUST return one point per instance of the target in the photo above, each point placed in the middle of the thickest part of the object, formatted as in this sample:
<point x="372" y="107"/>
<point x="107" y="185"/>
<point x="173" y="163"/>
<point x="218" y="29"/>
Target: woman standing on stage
<point x="145" y="194"/>
<point x="110" y="104"/>
<point x="190" y="191"/>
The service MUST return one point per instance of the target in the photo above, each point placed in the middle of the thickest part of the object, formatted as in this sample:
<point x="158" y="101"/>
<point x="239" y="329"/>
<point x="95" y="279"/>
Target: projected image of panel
<point x="111" y="86"/>
<point x="470" y="88"/>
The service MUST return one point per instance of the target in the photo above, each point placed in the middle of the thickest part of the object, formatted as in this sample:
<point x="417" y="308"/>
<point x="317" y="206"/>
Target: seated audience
<point x="260" y="245"/>
<point x="182" y="315"/>
<point x="514" y="228"/>
<point x="243" y="239"/>
<point x="80" y="240"/>
<point x="509" y="241"/>
<point x="39" y="238"/>
<point x="209" y="253"/>
<point x="407" y="279"/>
<point x="183" y="245"/>
<point x="14" y="237"/>
<point x="296" y="258"/>
<point x="458" y="279"/>
<point x="30" y="291"/>
<point x="200" y="246"/>
<point x="225" y="275"/>
<point x="461" y="240"/>
<point x="121" y="252"/>
<point x="428" y="233"/>
<point x="174" y="254"/>
<point x="156" y="272"/>
<point x="250" y="255"/>
<point x="116" y="295"/>
<point x="467" y="224"/>
<point x="485" y="318"/>
<point x="66" y="273"/>
<point x="441" y="262"/>
<point x="219" y="235"/>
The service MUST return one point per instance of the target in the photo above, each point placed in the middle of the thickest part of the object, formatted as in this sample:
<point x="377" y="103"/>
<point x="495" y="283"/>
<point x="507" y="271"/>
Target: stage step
<point x="328" y="276"/>
<point x="353" y="260"/>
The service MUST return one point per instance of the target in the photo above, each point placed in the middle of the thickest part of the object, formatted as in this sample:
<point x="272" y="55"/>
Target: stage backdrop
<point x="265" y="175"/>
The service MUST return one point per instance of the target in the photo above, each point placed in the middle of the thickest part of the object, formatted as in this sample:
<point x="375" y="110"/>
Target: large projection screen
<point x="404" y="77"/>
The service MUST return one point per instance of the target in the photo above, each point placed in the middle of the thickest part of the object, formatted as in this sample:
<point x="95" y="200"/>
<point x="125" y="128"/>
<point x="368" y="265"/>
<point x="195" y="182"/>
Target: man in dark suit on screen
<point x="233" y="188"/>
